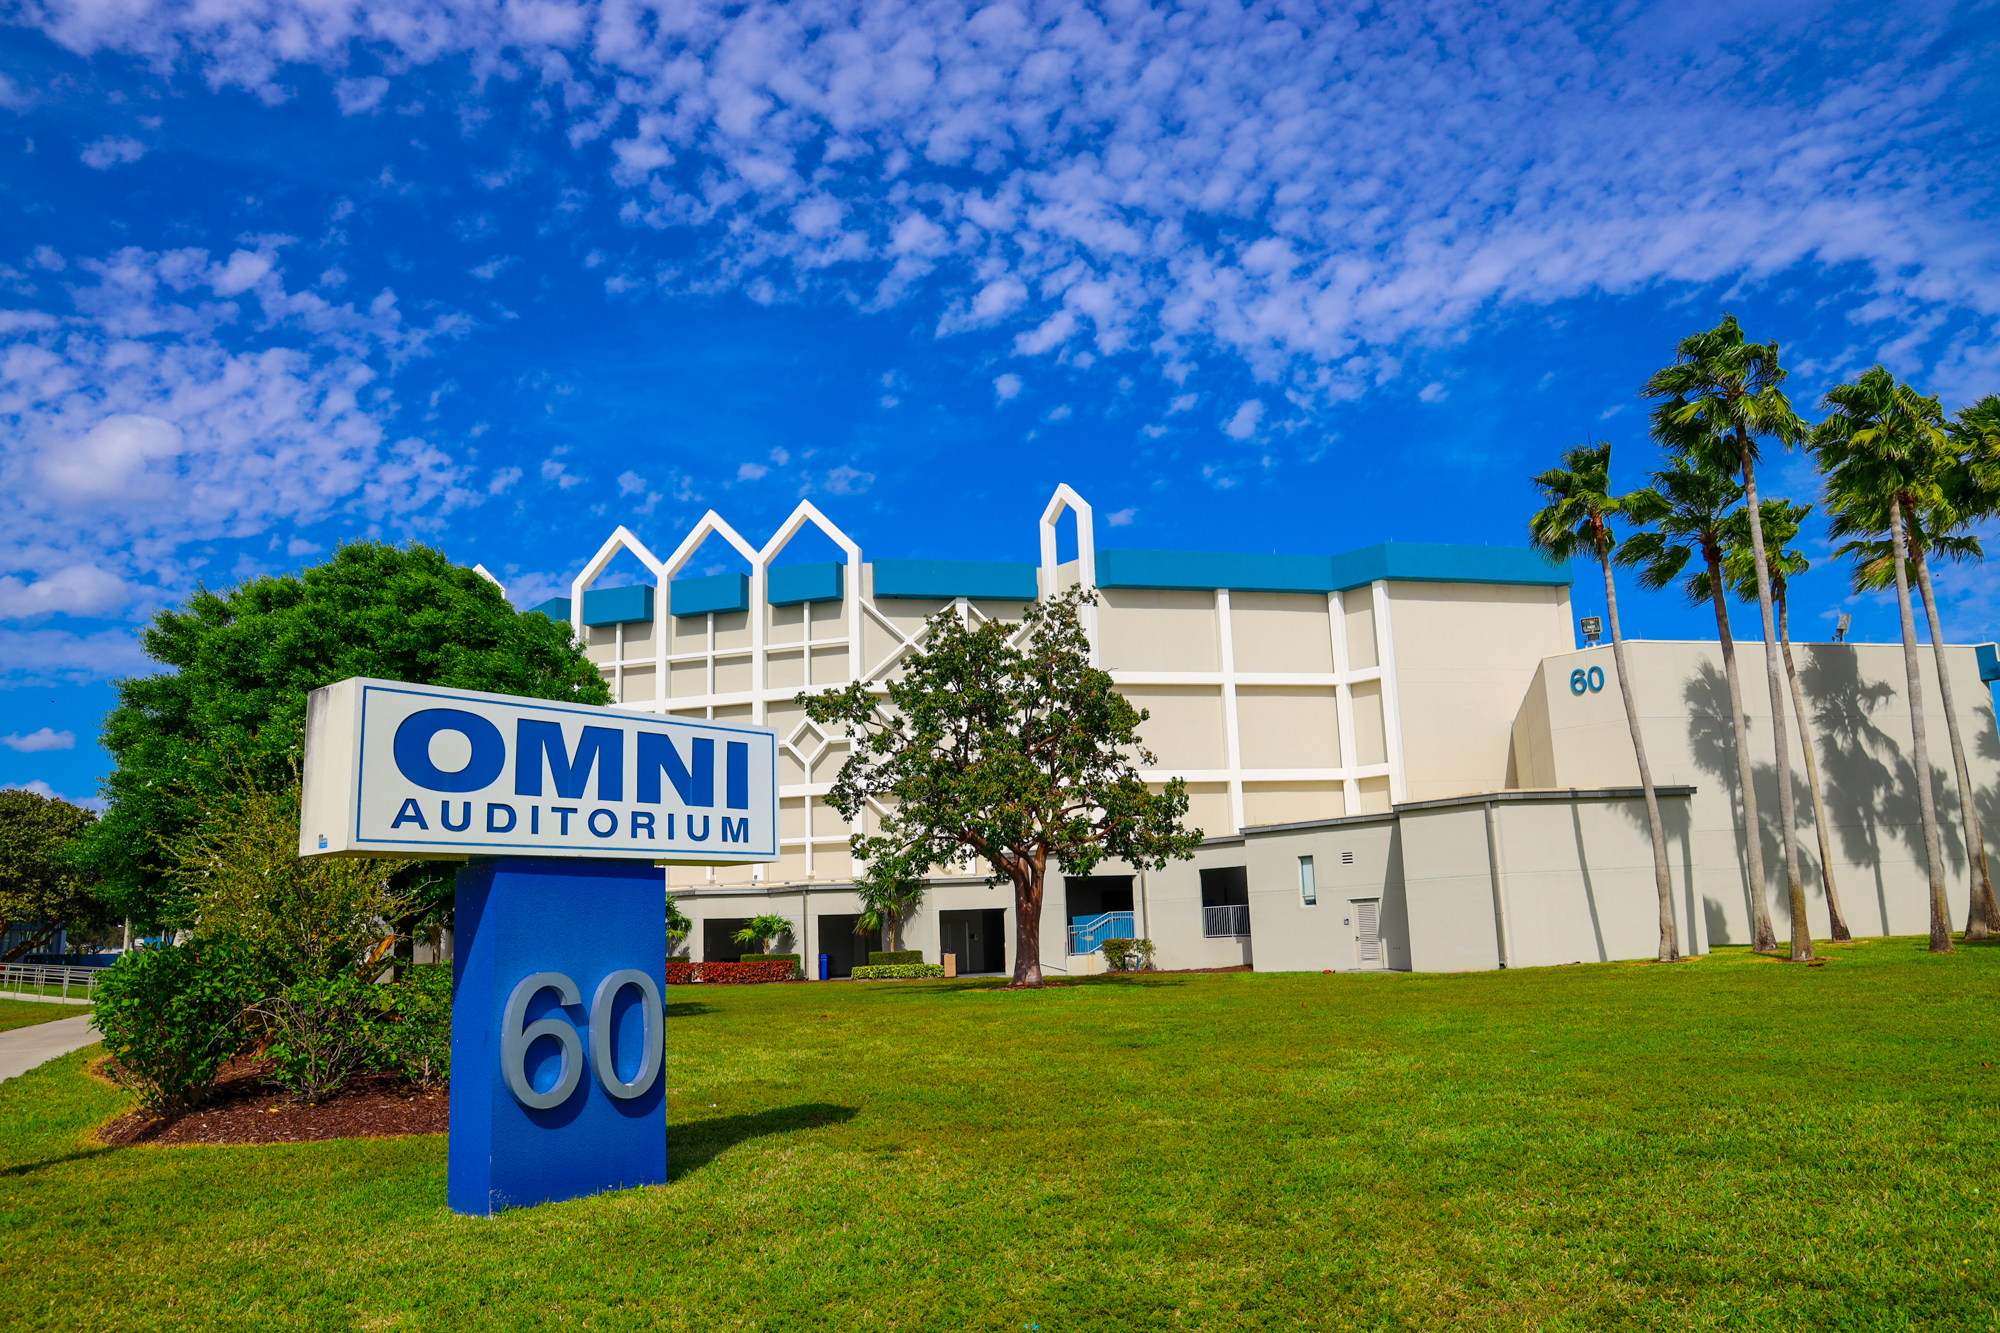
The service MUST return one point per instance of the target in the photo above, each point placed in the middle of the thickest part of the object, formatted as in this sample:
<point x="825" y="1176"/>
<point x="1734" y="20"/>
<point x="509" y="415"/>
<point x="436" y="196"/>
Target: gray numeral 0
<point x="600" y="1032"/>
<point x="515" y="1040"/>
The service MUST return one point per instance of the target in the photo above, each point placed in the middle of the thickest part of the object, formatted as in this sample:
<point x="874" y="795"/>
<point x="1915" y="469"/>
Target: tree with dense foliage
<point x="241" y="663"/>
<point x="1681" y="516"/>
<point x="1882" y="451"/>
<point x="1002" y="743"/>
<point x="40" y="887"/>
<point x="1725" y="392"/>
<point x="1577" y="520"/>
<point x="1782" y="520"/>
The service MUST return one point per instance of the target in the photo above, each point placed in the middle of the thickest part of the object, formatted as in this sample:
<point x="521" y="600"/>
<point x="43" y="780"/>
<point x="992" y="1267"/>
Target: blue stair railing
<point x="1089" y="936"/>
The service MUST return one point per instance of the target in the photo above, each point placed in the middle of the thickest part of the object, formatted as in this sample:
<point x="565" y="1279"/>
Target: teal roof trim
<point x="792" y="584"/>
<point x="1404" y="561"/>
<point x="717" y="592"/>
<point x="605" y="606"/>
<point x="997" y="580"/>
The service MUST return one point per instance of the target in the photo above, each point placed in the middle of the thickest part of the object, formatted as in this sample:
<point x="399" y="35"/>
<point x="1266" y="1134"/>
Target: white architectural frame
<point x="809" y="748"/>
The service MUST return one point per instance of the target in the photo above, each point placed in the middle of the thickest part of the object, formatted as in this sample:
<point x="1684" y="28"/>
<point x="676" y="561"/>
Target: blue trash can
<point x="823" y="969"/>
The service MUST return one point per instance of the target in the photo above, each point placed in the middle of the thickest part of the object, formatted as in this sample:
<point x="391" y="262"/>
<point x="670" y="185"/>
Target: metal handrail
<point x="1217" y="922"/>
<point x="1088" y="936"/>
<point x="21" y="977"/>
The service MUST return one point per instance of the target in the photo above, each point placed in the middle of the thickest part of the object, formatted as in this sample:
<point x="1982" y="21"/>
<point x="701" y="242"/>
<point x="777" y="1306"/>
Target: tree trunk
<point x="1028" y="879"/>
<point x="1788" y="814"/>
<point x="1837" y="917"/>
<point x="1919" y="737"/>
<point x="32" y="943"/>
<point x="1763" y="938"/>
<point x="1670" y="946"/>
<point x="1982" y="916"/>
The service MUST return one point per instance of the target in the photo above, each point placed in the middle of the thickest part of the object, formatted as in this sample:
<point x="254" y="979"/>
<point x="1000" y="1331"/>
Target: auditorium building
<point x="1399" y="755"/>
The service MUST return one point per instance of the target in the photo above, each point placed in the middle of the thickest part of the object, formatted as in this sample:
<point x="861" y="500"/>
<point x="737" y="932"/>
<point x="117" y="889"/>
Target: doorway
<point x="718" y="939"/>
<point x="978" y="937"/>
<point x="844" y="949"/>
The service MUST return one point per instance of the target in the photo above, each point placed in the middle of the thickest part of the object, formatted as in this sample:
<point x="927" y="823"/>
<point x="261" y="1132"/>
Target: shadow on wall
<point x="1870" y="783"/>
<point x="1677" y="822"/>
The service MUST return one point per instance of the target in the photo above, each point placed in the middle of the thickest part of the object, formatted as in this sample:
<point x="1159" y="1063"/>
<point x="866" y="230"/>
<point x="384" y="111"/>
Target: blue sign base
<point x="525" y="927"/>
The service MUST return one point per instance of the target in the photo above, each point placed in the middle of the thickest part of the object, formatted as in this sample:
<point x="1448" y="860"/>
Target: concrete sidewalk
<point x="23" y="1048"/>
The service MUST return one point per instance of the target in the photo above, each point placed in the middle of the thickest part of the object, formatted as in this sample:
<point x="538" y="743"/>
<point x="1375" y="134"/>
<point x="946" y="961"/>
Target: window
<point x="1308" y="891"/>
<point x="1225" y="902"/>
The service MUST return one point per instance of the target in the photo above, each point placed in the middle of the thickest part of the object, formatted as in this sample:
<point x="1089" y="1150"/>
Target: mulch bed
<point x="247" y="1109"/>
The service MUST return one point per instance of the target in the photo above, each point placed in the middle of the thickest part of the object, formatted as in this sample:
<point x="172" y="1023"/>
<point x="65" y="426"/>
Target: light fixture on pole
<point x="1593" y="630"/>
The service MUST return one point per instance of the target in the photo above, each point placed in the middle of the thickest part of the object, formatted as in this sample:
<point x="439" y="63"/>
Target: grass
<point x="64" y="990"/>
<point x="1731" y="1142"/>
<point x="26" y="1013"/>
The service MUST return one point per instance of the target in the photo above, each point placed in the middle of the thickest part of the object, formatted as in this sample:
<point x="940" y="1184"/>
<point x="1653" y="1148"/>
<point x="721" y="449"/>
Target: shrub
<point x="327" y="1032"/>
<point x="748" y="971"/>
<point x="680" y="972"/>
<point x="1121" y="955"/>
<point x="897" y="971"/>
<point x="172" y="1018"/>
<point x="892" y="957"/>
<point x="415" y="1041"/>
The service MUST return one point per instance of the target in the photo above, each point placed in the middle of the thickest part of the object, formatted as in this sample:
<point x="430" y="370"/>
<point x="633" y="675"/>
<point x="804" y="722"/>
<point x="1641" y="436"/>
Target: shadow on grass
<point x="694" y="1144"/>
<point x="29" y="1168"/>
<point x="687" y="1009"/>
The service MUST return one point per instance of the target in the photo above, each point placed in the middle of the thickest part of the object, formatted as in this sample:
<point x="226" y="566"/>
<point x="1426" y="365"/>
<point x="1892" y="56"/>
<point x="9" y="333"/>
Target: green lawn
<point x="22" y="1013"/>
<point x="1731" y="1142"/>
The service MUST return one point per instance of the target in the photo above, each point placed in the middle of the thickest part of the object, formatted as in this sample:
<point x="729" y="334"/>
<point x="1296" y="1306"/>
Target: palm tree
<point x="1975" y="439"/>
<point x="1724" y="390"/>
<point x="1928" y="531"/>
<point x="761" y="930"/>
<point x="1880" y="447"/>
<point x="1782" y="520"/>
<point x="1577" y="519"/>
<point x="1684" y="513"/>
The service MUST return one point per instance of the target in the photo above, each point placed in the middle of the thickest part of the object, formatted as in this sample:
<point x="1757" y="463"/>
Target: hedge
<point x="895" y="956"/>
<point x="897" y="971"/>
<point x="680" y="972"/>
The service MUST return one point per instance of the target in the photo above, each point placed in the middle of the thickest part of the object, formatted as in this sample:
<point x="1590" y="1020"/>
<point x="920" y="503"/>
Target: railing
<point x="1089" y="936"/>
<point x="1217" y="922"/>
<point x="78" y="983"/>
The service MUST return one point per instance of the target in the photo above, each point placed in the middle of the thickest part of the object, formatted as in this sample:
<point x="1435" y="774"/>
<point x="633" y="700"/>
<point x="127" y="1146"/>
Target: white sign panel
<point x="418" y="770"/>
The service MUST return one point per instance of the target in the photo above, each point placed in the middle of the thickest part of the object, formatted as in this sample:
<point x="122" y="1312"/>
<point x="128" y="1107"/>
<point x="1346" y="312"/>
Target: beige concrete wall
<point x="1290" y="936"/>
<point x="1560" y="879"/>
<point x="1861" y="733"/>
<point x="1465" y="654"/>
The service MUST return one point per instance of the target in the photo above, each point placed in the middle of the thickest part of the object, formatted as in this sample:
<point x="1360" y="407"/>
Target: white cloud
<point x="751" y="472"/>
<point x="502" y="479"/>
<point x="1121" y="518"/>
<point x="58" y="656"/>
<point x="113" y="151"/>
<point x="360" y="95"/>
<point x="1242" y="424"/>
<point x="845" y="480"/>
<point x="558" y="472"/>
<point x="1433" y="392"/>
<point x="149" y="418"/>
<point x="630" y="483"/>
<point x="1308" y="194"/>
<point x="42" y="789"/>
<point x="780" y="457"/>
<point x="48" y="738"/>
<point x="75" y="590"/>
<point x="1007" y="387"/>
<point x="299" y="546"/>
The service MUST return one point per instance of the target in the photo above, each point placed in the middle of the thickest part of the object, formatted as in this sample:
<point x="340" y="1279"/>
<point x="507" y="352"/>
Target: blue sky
<point x="1268" y="277"/>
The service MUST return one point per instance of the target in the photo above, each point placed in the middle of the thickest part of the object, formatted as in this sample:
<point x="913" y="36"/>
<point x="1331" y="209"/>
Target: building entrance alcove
<point x="844" y="949"/>
<point x="718" y="940"/>
<point x="978" y="937"/>
<point x="1099" y="908"/>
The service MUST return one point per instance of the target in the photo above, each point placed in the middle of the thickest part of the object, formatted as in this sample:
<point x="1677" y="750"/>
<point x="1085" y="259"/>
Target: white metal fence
<point x="76" y="983"/>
